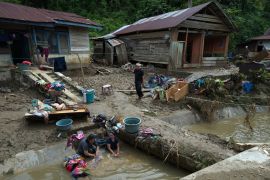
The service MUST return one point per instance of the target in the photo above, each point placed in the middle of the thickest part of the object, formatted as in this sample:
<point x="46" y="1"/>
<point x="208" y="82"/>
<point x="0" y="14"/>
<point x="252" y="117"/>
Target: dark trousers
<point x="138" y="86"/>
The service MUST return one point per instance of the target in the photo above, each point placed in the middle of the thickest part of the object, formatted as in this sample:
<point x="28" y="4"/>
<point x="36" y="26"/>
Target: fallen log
<point x="240" y="147"/>
<point x="132" y="90"/>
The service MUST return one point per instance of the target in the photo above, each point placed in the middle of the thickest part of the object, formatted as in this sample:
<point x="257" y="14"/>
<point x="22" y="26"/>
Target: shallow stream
<point x="132" y="164"/>
<point x="238" y="129"/>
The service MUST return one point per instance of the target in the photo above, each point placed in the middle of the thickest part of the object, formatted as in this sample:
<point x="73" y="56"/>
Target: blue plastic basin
<point x="23" y="67"/>
<point x="64" y="124"/>
<point x="132" y="124"/>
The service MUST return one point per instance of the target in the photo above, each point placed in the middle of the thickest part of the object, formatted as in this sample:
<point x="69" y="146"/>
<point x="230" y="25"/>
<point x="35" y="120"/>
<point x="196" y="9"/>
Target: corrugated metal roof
<point x="115" y="42"/>
<point x="11" y="11"/>
<point x="263" y="37"/>
<point x="170" y="19"/>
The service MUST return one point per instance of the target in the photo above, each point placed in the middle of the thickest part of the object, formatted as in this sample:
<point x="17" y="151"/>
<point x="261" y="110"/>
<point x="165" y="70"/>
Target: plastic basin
<point x="64" y="124"/>
<point x="132" y="124"/>
<point x="23" y="67"/>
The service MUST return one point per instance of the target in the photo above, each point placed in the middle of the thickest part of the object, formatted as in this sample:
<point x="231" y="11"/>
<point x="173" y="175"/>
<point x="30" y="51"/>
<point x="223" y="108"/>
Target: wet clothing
<point x="86" y="146"/>
<point x="113" y="143"/>
<point x="138" y="81"/>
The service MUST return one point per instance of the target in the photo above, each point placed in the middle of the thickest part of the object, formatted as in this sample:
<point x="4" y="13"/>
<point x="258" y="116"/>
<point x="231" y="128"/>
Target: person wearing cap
<point x="138" y="72"/>
<point x="87" y="147"/>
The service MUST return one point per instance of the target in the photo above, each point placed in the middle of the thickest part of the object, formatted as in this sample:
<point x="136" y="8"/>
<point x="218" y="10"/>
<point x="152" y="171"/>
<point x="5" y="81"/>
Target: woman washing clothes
<point x="113" y="145"/>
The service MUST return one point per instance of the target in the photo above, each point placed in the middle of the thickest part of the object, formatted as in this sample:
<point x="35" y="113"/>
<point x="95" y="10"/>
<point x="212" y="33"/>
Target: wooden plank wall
<point x="109" y="53"/>
<point x="98" y="49"/>
<point x="121" y="53"/>
<point x="79" y="39"/>
<point x="204" y="21"/>
<point x="148" y="47"/>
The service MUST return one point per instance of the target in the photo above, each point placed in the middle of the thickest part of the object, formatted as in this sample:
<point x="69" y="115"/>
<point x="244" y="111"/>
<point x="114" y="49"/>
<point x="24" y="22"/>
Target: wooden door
<point x="177" y="48"/>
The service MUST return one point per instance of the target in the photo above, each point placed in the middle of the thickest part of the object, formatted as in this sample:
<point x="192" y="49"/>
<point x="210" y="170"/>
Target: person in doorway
<point x="87" y="147"/>
<point x="246" y="53"/>
<point x="113" y="145"/>
<point x="138" y="72"/>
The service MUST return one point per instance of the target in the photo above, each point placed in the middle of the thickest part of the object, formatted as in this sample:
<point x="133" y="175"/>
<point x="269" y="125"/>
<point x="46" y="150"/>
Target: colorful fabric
<point x="147" y="132"/>
<point x="57" y="86"/>
<point x="74" y="138"/>
<point x="45" y="52"/>
<point x="77" y="166"/>
<point x="26" y="62"/>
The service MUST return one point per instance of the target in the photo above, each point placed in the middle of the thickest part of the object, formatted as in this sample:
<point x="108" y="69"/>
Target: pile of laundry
<point x="77" y="166"/>
<point x="57" y="86"/>
<point x="74" y="139"/>
<point x="167" y="88"/>
<point x="160" y="81"/>
<point x="111" y="125"/>
<point x="148" y="132"/>
<point x="45" y="87"/>
<point x="44" y="108"/>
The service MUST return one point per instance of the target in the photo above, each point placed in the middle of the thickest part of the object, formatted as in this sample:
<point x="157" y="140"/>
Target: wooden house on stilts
<point x="193" y="37"/>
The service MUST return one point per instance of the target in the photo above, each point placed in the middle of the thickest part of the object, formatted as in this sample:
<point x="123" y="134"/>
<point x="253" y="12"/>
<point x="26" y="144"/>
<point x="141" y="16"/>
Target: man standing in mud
<point x="138" y="72"/>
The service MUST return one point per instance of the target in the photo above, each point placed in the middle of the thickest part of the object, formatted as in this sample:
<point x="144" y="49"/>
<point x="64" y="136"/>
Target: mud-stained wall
<point x="73" y="61"/>
<point x="148" y="47"/>
<point x="79" y="39"/>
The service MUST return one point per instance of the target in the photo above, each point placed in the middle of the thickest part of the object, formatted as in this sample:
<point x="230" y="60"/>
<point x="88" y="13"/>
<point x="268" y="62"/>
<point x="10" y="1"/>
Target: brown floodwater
<point x="237" y="129"/>
<point x="132" y="164"/>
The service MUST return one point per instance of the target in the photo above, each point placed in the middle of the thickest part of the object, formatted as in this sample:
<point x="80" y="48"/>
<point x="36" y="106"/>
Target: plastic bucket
<point x="90" y="96"/>
<point x="132" y="124"/>
<point x="64" y="124"/>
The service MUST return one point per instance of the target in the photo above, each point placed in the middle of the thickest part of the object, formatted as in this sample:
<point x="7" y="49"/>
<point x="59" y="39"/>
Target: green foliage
<point x="260" y="76"/>
<point x="250" y="16"/>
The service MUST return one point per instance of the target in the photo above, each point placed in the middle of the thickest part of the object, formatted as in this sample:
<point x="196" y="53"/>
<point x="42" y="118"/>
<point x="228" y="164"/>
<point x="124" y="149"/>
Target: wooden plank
<point x="185" y="48"/>
<point x="69" y="111"/>
<point x="226" y="47"/>
<point x="133" y="90"/>
<point x="191" y="65"/>
<point x="152" y="56"/>
<point x="202" y="46"/>
<point x="145" y="35"/>
<point x="124" y="53"/>
<point x="206" y="19"/>
<point x="204" y="25"/>
<point x="79" y="39"/>
<point x="150" y="61"/>
<point x="213" y="58"/>
<point x="206" y="16"/>
<point x="66" y="91"/>
<point x="174" y="34"/>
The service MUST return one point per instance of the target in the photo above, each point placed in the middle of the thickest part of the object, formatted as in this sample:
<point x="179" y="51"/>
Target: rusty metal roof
<point x="172" y="19"/>
<point x="263" y="37"/>
<point x="115" y="42"/>
<point x="9" y="11"/>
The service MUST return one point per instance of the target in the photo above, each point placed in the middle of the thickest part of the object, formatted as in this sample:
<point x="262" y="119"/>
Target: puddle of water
<point x="237" y="129"/>
<point x="132" y="164"/>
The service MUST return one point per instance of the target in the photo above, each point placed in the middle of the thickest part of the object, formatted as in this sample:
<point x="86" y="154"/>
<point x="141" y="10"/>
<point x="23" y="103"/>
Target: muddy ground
<point x="123" y="80"/>
<point x="16" y="134"/>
